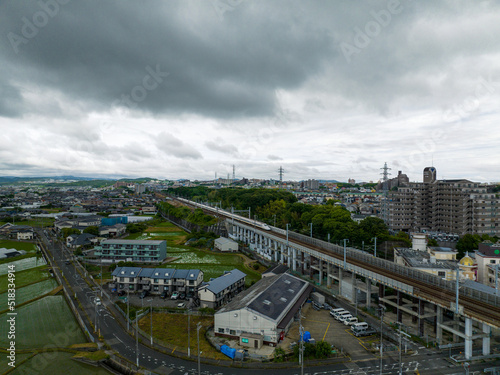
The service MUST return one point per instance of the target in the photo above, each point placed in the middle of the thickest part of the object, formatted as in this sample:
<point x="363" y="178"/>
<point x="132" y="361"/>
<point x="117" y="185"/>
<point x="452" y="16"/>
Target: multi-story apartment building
<point x="450" y="206"/>
<point x="157" y="280"/>
<point x="488" y="259"/>
<point x="143" y="251"/>
<point x="221" y="290"/>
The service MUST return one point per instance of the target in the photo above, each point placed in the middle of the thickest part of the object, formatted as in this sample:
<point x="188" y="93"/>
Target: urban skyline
<point x="325" y="90"/>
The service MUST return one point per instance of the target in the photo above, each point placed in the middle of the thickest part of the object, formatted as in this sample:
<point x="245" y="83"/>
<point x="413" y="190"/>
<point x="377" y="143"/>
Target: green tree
<point x="323" y="349"/>
<point x="92" y="230"/>
<point x="69" y="231"/>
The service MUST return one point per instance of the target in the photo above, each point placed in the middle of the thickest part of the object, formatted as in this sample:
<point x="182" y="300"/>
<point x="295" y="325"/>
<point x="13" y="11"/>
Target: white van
<point x="342" y="314"/>
<point x="351" y="321"/>
<point x="333" y="312"/>
<point x="344" y="317"/>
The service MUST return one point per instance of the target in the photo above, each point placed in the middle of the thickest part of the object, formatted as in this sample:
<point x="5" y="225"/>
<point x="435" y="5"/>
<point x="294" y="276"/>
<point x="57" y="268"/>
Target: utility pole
<point x="151" y="313"/>
<point x="496" y="279"/>
<point x="345" y="253"/>
<point x="311" y="225"/>
<point x="382" y="309"/>
<point x="137" y="339"/>
<point x="128" y="308"/>
<point x="198" y="326"/>
<point x="301" y="348"/>
<point x="189" y="346"/>
<point x="375" y="247"/>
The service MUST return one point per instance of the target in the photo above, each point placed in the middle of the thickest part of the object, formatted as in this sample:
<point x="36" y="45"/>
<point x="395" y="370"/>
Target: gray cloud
<point x="171" y="145"/>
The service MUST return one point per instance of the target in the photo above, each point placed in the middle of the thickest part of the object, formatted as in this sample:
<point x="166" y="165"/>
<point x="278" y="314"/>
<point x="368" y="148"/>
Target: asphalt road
<point x="116" y="336"/>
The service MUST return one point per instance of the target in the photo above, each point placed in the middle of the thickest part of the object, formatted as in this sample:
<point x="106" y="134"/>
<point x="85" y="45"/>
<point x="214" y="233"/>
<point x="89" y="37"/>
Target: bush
<point x="206" y="311"/>
<point x="255" y="266"/>
<point x="279" y="355"/>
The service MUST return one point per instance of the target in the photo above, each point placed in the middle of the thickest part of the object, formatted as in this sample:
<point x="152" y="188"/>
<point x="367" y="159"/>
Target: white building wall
<point x="245" y="321"/>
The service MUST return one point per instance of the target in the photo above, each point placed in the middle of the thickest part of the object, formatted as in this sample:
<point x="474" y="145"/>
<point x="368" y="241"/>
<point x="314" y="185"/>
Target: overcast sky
<point x="184" y="89"/>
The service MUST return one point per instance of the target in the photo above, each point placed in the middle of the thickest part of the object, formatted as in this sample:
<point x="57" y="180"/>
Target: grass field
<point x="27" y="246"/>
<point x="25" y="277"/>
<point x="172" y="328"/>
<point x="59" y="363"/>
<point x="29" y="292"/>
<point x="22" y="264"/>
<point x="46" y="322"/>
<point x="212" y="264"/>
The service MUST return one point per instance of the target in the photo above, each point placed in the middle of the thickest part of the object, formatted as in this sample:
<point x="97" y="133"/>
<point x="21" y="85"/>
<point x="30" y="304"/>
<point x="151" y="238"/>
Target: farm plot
<point x="25" y="277"/>
<point x="22" y="264"/>
<point x="58" y="363"/>
<point x="47" y="322"/>
<point x="27" y="246"/>
<point x="29" y="292"/>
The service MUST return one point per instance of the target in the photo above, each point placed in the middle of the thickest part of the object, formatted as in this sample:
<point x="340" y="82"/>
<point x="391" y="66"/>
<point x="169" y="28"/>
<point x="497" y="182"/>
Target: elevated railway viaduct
<point x="355" y="270"/>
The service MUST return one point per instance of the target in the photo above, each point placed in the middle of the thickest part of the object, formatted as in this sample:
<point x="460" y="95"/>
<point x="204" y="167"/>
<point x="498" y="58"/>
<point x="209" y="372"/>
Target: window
<point x="232" y="332"/>
<point x="441" y="273"/>
<point x="492" y="261"/>
<point x="221" y="330"/>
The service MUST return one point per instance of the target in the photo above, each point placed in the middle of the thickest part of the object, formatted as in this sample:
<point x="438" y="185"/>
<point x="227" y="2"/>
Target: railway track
<point x="476" y="309"/>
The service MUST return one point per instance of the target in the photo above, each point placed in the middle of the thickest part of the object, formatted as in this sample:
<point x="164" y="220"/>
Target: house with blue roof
<point x="221" y="290"/>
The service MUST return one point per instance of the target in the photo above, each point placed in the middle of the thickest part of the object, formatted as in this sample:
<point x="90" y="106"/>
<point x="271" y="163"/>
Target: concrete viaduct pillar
<point x="439" y="321"/>
<point x="468" y="338"/>
<point x="486" y="339"/>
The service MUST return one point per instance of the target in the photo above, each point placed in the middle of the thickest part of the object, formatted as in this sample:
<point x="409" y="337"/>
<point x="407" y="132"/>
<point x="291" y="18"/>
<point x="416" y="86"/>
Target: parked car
<point x="316" y="305"/>
<point x="164" y="294"/>
<point x="143" y="294"/>
<point x="181" y="305"/>
<point x="182" y="295"/>
<point x="326" y="306"/>
<point x="350" y="321"/>
<point x="97" y="301"/>
<point x="344" y="317"/>
<point x="174" y="295"/>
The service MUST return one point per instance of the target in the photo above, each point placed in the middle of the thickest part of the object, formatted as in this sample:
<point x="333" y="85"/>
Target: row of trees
<point x="279" y="208"/>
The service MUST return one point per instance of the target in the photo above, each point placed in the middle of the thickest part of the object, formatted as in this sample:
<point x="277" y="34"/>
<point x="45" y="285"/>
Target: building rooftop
<point x="270" y="297"/>
<point x="131" y="242"/>
<point x="222" y="282"/>
<point x="420" y="259"/>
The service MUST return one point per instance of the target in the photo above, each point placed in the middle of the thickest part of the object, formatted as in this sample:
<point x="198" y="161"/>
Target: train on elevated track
<point x="220" y="211"/>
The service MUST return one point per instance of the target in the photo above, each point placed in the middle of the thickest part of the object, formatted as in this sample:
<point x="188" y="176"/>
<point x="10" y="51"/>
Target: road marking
<point x="174" y="350"/>
<point x="326" y="331"/>
<point x="118" y="339"/>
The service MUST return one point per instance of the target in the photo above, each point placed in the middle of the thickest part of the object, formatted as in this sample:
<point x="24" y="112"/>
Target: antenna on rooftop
<point x="234" y="172"/>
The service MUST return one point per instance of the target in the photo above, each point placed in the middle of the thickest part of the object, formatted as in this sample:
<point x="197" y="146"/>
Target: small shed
<point x="225" y="244"/>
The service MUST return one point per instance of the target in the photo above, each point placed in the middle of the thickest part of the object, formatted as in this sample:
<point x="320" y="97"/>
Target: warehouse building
<point x="263" y="313"/>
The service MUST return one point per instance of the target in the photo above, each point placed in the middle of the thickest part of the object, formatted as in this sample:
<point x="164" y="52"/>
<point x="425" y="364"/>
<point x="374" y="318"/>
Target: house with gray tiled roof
<point x="218" y="291"/>
<point x="157" y="280"/>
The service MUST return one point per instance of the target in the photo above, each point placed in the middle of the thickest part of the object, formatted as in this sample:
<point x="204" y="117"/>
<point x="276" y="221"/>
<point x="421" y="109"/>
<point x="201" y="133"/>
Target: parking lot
<point x="323" y="326"/>
<point x="135" y="300"/>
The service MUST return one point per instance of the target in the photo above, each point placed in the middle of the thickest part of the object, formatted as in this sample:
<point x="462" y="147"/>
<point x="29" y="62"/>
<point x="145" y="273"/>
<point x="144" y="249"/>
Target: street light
<point x="128" y="307"/>
<point x="151" y="313"/>
<point x="189" y="334"/>
<point x="198" y="326"/>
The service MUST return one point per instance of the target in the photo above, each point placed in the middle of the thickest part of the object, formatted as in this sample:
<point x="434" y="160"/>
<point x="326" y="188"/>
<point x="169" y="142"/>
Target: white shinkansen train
<point x="228" y="214"/>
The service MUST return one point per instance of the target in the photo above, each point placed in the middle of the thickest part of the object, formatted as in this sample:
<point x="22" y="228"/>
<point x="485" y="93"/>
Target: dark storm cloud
<point x="98" y="52"/>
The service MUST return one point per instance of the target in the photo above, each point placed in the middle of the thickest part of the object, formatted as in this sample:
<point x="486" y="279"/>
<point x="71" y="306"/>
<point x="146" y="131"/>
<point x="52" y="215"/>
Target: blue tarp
<point x="307" y="336"/>
<point x="230" y="352"/>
